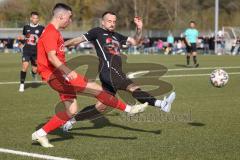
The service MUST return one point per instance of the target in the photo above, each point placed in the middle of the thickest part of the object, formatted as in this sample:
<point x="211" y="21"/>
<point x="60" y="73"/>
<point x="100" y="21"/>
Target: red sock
<point x="56" y="121"/>
<point x="111" y="101"/>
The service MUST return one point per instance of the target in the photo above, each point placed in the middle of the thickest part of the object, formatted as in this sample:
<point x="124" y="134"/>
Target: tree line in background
<point x="156" y="14"/>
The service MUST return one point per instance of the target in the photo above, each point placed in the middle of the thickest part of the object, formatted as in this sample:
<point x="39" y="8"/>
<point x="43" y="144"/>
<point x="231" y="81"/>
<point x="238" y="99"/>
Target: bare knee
<point x="93" y="88"/>
<point x="25" y="66"/>
<point x="132" y="87"/>
<point x="194" y="53"/>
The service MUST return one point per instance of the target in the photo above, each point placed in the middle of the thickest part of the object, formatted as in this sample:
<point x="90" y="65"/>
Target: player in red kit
<point x="52" y="68"/>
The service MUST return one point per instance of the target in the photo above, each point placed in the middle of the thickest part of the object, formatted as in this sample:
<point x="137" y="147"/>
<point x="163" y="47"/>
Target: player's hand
<point x="138" y="22"/>
<point x="188" y="44"/>
<point x="72" y="75"/>
<point x="21" y="37"/>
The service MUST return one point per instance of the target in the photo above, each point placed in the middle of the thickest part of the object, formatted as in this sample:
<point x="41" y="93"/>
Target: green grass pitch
<point x="203" y="123"/>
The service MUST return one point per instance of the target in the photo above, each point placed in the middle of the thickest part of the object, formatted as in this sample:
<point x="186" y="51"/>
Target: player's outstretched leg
<point x="164" y="104"/>
<point x="105" y="99"/>
<point x="80" y="85"/>
<point x="91" y="112"/>
<point x="109" y="100"/>
<point x="95" y="111"/>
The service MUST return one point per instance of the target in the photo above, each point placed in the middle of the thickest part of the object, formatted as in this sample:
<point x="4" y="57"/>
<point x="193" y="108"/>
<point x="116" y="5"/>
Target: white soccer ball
<point x="219" y="78"/>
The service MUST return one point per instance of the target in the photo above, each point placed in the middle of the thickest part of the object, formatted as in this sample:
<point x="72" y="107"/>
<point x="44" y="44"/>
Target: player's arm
<point x="136" y="39"/>
<point x="52" y="57"/>
<point x="189" y="44"/>
<point x="74" y="41"/>
<point x="23" y="36"/>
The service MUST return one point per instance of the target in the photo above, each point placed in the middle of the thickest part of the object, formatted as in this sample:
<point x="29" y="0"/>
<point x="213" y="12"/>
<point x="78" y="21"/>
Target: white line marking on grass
<point x="134" y="74"/>
<point x="35" y="155"/>
<point x="203" y="68"/>
<point x="180" y="75"/>
<point x="194" y="75"/>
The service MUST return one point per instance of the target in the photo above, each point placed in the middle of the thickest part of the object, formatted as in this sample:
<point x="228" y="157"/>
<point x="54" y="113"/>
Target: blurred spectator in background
<point x="146" y="44"/>
<point x="170" y="41"/>
<point x="16" y="46"/>
<point x="220" y="44"/>
<point x="234" y="41"/>
<point x="236" y="49"/>
<point x="2" y="46"/>
<point x="159" y="45"/>
<point x="179" y="47"/>
<point x="5" y="44"/>
<point x="206" y="41"/>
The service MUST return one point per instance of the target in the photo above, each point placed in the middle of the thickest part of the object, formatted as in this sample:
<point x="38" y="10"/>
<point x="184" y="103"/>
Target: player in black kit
<point x="107" y="43"/>
<point x="31" y="33"/>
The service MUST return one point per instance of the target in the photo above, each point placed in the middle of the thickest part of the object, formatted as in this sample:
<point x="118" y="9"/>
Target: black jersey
<point x="31" y="33"/>
<point x="107" y="44"/>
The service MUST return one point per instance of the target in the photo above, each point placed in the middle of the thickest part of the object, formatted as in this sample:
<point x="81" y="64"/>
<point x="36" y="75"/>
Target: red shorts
<point x="67" y="89"/>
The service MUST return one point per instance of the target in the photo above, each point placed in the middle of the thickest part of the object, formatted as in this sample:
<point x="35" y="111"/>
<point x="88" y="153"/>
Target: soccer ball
<point x="219" y="78"/>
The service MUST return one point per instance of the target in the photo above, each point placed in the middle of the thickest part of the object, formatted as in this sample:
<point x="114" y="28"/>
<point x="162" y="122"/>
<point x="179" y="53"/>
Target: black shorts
<point x="113" y="80"/>
<point x="192" y="48"/>
<point x="26" y="57"/>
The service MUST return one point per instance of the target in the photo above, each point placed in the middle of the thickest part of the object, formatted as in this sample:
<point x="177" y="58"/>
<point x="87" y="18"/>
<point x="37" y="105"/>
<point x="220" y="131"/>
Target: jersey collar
<point x="32" y="25"/>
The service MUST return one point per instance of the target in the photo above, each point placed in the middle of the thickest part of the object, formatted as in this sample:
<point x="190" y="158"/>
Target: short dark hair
<point x="108" y="12"/>
<point x="34" y="13"/>
<point x="192" y="22"/>
<point x="62" y="6"/>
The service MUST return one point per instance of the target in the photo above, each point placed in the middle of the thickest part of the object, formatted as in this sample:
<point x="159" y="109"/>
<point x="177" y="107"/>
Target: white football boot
<point x="42" y="140"/>
<point x="138" y="108"/>
<point x="167" y="102"/>
<point x="21" y="87"/>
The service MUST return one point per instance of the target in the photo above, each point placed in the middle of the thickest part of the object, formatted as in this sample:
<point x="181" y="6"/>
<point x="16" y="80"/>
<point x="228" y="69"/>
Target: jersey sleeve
<point x="121" y="38"/>
<point x="24" y="31"/>
<point x="91" y="35"/>
<point x="50" y="41"/>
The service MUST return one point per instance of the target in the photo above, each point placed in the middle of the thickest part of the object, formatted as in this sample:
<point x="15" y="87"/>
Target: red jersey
<point x="50" y="40"/>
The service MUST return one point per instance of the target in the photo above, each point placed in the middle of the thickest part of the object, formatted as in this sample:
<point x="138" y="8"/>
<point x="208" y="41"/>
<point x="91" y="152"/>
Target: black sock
<point x="188" y="60"/>
<point x="22" y="76"/>
<point x="87" y="113"/>
<point x="143" y="97"/>
<point x="195" y="59"/>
